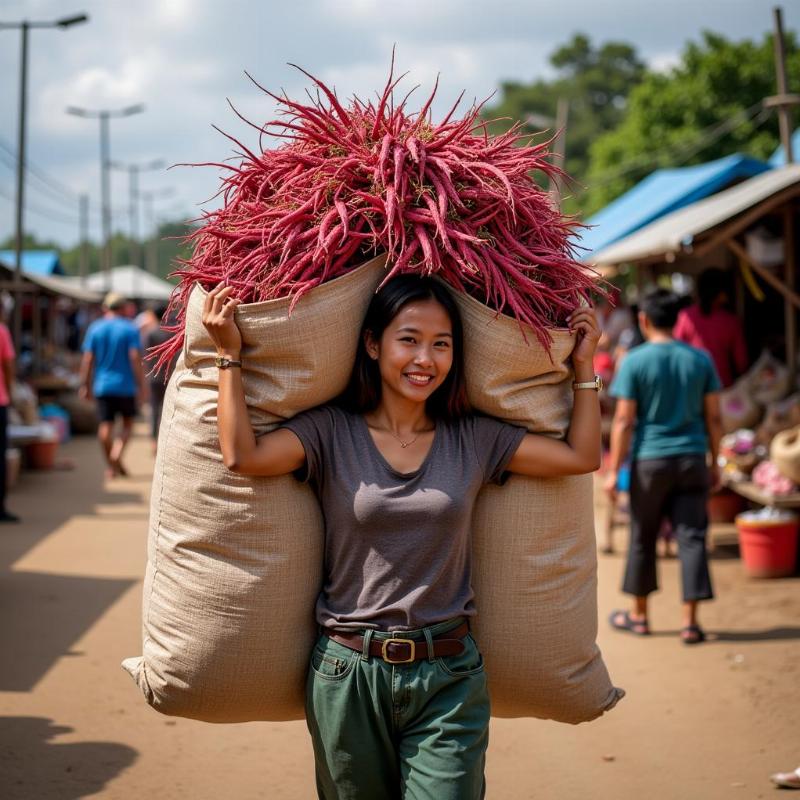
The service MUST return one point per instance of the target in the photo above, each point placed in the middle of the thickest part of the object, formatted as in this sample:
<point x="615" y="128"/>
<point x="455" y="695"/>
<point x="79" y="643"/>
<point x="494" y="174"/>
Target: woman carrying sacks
<point x="396" y="697"/>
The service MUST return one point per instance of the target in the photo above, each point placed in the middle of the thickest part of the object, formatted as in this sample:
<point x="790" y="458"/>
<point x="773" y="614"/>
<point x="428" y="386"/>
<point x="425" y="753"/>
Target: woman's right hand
<point x="218" y="311"/>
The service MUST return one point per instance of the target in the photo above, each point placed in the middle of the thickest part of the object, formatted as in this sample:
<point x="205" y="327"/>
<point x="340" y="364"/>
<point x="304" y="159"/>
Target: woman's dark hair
<point x="710" y="284"/>
<point x="363" y="393"/>
<point x="661" y="307"/>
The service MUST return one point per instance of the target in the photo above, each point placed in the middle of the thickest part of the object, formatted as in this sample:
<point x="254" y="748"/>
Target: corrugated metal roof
<point x="663" y="191"/>
<point x="677" y="230"/>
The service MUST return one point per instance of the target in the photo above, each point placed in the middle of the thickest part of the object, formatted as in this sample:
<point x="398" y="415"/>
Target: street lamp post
<point x="24" y="27"/>
<point x="134" y="170"/>
<point x="104" y="115"/>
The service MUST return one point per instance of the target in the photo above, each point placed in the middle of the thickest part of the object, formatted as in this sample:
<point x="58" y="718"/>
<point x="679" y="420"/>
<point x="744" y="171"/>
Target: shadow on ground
<point x="766" y="635"/>
<point x="43" y="614"/>
<point x="63" y="771"/>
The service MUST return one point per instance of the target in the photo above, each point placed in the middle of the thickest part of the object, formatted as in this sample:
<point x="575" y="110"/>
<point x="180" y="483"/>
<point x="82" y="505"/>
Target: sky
<point x="184" y="60"/>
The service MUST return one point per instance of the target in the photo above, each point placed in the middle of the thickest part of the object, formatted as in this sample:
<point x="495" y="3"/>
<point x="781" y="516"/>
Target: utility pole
<point x="542" y="121"/>
<point x="134" y="170"/>
<point x="783" y="101"/>
<point x="24" y="27"/>
<point x="560" y="146"/>
<point x="104" y="115"/>
<point x="84" y="253"/>
<point x="150" y="221"/>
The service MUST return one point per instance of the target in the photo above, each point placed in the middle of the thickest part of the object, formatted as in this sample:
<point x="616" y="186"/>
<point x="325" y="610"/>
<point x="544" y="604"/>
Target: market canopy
<point x="778" y="158"/>
<point x="663" y="191"/>
<point x="679" y="231"/>
<point x="34" y="262"/>
<point x="47" y="284"/>
<point x="130" y="281"/>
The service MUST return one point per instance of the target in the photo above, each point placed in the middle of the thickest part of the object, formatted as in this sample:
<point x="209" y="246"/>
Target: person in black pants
<point x="669" y="393"/>
<point x="7" y="360"/>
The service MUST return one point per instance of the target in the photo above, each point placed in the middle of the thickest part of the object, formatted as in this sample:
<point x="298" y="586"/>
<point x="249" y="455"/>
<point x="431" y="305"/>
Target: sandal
<point x="692" y="634"/>
<point x="622" y="621"/>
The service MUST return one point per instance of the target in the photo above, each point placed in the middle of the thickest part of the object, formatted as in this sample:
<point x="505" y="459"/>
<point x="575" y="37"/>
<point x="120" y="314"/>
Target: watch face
<point x="598" y="382"/>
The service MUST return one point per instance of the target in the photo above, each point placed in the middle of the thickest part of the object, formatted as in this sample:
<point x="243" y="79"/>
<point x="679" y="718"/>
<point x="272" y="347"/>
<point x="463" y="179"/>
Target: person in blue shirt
<point x="111" y="371"/>
<point x="667" y="418"/>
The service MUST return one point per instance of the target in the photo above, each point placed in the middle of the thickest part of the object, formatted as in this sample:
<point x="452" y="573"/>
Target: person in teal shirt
<point x="668" y="393"/>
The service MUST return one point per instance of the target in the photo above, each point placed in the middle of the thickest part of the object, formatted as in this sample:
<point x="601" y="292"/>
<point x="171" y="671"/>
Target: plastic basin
<point x="768" y="547"/>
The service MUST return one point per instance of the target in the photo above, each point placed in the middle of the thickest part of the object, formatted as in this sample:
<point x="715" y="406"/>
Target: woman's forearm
<point x="236" y="438"/>
<point x="584" y="427"/>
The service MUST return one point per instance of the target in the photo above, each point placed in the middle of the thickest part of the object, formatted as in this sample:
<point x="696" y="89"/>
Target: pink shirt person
<point x="6" y="354"/>
<point x="709" y="326"/>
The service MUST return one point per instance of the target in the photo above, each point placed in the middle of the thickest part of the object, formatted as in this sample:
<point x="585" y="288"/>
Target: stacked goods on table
<point x="761" y="420"/>
<point x="234" y="563"/>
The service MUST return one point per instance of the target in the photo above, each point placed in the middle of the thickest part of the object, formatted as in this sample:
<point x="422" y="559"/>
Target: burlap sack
<point x="234" y="562"/>
<point x="535" y="563"/>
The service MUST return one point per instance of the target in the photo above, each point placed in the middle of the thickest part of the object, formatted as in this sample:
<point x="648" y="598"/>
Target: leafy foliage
<point x="671" y="117"/>
<point x="595" y="80"/>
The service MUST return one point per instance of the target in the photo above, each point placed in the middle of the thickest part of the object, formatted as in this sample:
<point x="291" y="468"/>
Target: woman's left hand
<point x="583" y="323"/>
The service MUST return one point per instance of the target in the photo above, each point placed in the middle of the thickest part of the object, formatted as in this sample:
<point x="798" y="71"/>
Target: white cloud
<point x="664" y="62"/>
<point x="183" y="59"/>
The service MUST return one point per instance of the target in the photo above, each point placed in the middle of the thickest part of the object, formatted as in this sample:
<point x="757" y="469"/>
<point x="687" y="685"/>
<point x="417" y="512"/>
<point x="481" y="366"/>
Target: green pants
<point x="384" y="731"/>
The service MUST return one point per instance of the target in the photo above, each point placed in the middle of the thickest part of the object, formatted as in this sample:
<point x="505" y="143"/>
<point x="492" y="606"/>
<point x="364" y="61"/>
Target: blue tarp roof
<point x="663" y="191"/>
<point x="37" y="262"/>
<point x="778" y="158"/>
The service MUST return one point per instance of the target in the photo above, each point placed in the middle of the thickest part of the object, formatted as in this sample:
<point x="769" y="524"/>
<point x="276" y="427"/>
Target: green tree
<point x="702" y="109"/>
<point x="595" y="80"/>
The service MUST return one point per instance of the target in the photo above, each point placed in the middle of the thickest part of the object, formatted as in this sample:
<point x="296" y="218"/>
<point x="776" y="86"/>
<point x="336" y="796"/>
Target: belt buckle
<point x="385" y="654"/>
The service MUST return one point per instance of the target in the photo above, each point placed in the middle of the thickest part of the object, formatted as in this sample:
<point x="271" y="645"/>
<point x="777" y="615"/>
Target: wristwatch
<point x="226" y="363"/>
<point x="596" y="384"/>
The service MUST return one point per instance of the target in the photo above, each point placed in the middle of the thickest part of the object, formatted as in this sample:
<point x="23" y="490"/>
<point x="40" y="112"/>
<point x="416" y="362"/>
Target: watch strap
<point x="596" y="384"/>
<point x="226" y="363"/>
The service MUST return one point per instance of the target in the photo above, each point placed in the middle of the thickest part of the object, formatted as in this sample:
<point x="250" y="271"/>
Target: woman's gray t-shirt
<point x="397" y="545"/>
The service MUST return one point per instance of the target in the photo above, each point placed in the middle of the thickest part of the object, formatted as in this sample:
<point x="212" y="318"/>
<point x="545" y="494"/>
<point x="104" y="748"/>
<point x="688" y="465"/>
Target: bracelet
<point x="226" y="363"/>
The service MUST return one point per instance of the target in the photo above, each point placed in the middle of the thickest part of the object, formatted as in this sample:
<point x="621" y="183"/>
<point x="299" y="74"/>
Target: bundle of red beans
<point x="351" y="180"/>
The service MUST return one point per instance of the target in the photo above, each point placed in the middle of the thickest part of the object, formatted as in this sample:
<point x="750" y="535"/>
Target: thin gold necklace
<point x="402" y="443"/>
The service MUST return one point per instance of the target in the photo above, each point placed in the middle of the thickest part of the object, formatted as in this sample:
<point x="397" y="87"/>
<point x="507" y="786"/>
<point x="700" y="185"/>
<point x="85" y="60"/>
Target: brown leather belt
<point x="400" y="650"/>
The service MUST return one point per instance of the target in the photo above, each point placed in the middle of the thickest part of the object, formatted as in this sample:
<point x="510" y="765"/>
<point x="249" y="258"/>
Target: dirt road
<point x="698" y="723"/>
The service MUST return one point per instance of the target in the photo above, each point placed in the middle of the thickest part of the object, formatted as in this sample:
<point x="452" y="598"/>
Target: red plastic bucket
<point x="768" y="546"/>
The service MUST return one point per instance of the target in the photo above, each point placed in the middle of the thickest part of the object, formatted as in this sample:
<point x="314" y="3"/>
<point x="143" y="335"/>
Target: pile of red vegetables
<point x="352" y="180"/>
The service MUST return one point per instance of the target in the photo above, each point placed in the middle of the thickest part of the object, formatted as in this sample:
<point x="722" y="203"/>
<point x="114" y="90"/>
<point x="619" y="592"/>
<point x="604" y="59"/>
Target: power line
<point x="10" y="162"/>
<point x="40" y="173"/>
<point x="683" y="151"/>
<point x="52" y="216"/>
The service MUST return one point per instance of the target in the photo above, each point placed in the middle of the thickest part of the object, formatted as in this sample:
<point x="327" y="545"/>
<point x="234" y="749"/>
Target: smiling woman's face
<point x="415" y="353"/>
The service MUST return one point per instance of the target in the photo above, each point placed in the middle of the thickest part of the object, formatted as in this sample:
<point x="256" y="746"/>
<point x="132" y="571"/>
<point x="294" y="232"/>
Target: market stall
<point x="751" y="230"/>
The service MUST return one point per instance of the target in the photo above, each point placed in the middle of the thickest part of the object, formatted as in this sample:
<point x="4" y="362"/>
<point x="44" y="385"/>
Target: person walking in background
<point x="157" y="383"/>
<point x="111" y="370"/>
<point x="668" y="391"/>
<point x="7" y="374"/>
<point x="709" y="325"/>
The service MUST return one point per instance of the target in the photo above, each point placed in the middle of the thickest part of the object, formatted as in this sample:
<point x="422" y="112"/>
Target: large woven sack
<point x="534" y="552"/>
<point x="234" y="562"/>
